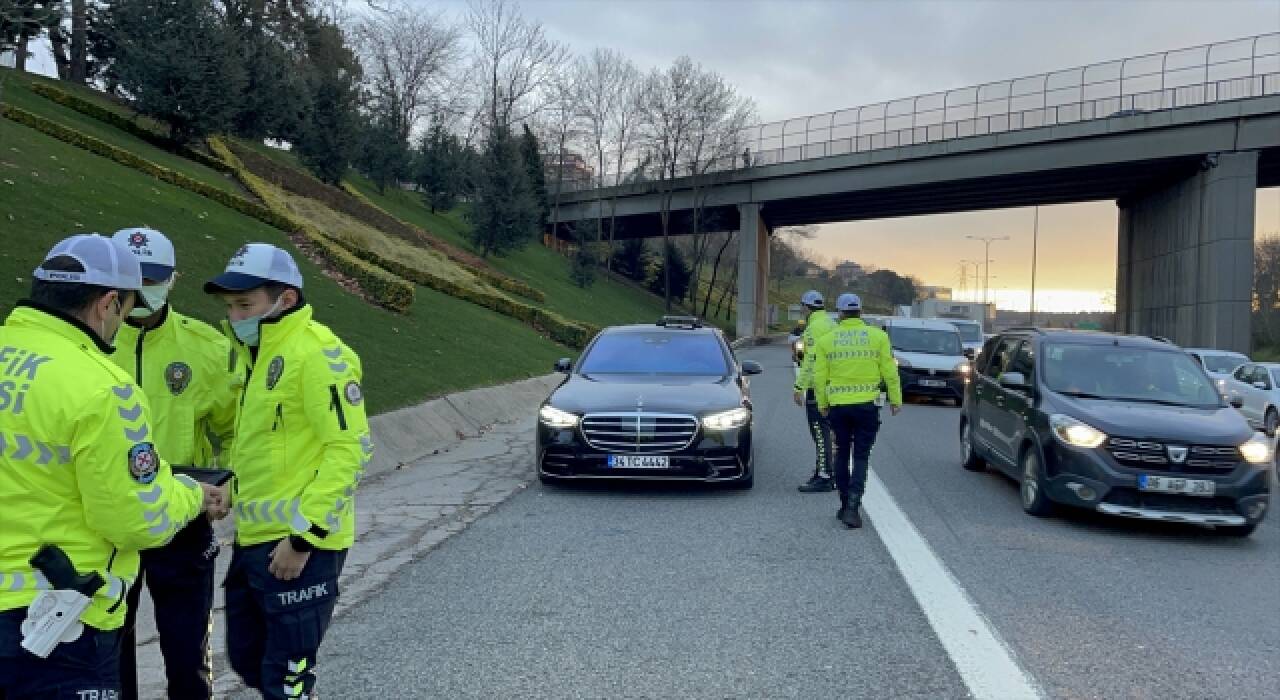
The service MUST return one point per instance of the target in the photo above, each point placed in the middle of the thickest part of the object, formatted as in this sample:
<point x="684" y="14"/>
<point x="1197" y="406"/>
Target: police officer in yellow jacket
<point x="183" y="366"/>
<point x="78" y="468"/>
<point x="851" y="364"/>
<point x="817" y="325"/>
<point x="302" y="443"/>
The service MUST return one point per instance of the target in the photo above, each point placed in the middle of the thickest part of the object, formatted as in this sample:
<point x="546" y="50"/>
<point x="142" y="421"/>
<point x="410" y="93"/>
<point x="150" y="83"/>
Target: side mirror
<point x="1236" y="402"/>
<point x="1260" y="385"/>
<point x="564" y="365"/>
<point x="969" y="353"/>
<point x="750" y="367"/>
<point x="1013" y="380"/>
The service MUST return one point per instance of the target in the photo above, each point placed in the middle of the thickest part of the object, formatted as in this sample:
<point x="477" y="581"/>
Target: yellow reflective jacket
<point x="302" y="438"/>
<point x="186" y="369"/>
<point x="850" y="362"/>
<point x="818" y="325"/>
<point x="77" y="467"/>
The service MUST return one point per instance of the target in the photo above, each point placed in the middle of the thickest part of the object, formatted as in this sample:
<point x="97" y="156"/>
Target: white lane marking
<point x="982" y="658"/>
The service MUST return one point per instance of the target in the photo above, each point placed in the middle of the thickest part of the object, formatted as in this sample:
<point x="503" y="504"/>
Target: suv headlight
<point x="727" y="420"/>
<point x="1076" y="433"/>
<point x="1257" y="450"/>
<point x="964" y="368"/>
<point x="555" y="418"/>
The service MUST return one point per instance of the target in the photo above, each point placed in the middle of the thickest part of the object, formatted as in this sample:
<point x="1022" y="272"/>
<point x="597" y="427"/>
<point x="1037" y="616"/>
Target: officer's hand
<point x="895" y="409"/>
<point x="799" y="398"/>
<point x="223" y="507"/>
<point x="287" y="564"/>
<point x="212" y="498"/>
<point x="824" y="411"/>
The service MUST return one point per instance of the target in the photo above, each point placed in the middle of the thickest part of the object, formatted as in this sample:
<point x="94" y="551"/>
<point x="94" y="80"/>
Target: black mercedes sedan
<point x="650" y="402"/>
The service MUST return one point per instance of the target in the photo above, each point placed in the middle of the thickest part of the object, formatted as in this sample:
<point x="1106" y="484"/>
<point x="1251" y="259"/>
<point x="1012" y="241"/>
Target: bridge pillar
<point x="1186" y="257"/>
<point x="753" y="271"/>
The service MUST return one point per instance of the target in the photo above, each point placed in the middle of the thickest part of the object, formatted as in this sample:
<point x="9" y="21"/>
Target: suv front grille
<point x="639" y="432"/>
<point x="928" y="373"/>
<point x="1201" y="459"/>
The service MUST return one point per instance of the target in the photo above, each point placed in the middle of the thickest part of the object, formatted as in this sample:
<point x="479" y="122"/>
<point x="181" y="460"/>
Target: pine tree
<point x="327" y="138"/>
<point x="505" y="216"/>
<point x="531" y="152"/>
<point x="438" y="167"/>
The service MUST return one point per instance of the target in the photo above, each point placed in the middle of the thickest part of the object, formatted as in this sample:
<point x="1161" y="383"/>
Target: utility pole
<point x="1035" y="242"/>
<point x="986" y="262"/>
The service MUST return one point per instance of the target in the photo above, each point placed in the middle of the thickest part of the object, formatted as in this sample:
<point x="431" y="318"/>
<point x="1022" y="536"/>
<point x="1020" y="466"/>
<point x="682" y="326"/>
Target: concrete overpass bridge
<point x="1180" y="140"/>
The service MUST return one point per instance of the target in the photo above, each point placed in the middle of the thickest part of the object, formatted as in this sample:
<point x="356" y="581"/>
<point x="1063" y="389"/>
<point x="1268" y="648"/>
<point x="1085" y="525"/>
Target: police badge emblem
<point x="353" y="393"/>
<point x="177" y="376"/>
<point x="274" y="371"/>
<point x="143" y="463"/>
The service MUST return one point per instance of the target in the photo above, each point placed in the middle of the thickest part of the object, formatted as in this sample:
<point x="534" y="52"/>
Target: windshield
<point x="969" y="332"/>
<point x="1223" y="364"/>
<point x="1128" y="374"/>
<point x="925" y="340"/>
<point x="656" y="353"/>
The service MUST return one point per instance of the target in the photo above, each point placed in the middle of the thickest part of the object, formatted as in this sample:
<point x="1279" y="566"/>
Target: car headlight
<point x="1257" y="450"/>
<point x="799" y="346"/>
<point x="963" y="368"/>
<point x="727" y="420"/>
<point x="555" y="418"/>
<point x="1076" y="433"/>
<point x="901" y="362"/>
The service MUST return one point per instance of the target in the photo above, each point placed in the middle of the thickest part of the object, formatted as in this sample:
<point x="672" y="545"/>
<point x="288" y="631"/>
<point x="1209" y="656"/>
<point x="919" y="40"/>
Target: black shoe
<point x="818" y="484"/>
<point x="850" y="517"/>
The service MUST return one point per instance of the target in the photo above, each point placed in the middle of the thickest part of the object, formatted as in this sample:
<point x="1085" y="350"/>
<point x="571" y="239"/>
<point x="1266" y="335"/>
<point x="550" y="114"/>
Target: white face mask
<point x="155" y="296"/>
<point x="248" y="329"/>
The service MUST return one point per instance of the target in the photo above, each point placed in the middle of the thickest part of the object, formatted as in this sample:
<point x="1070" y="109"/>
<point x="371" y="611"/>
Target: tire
<point x="969" y="458"/>
<point x="1240" y="531"/>
<point x="1271" y="423"/>
<point x="1031" y="487"/>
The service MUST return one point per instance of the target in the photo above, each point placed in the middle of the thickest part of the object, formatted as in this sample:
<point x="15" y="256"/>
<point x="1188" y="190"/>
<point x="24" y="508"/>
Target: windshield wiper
<point x="1086" y="395"/>
<point x="1132" y="399"/>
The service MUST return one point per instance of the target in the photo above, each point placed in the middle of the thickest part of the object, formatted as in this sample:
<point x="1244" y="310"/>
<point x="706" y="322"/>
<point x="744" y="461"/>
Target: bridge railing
<point x="1200" y="75"/>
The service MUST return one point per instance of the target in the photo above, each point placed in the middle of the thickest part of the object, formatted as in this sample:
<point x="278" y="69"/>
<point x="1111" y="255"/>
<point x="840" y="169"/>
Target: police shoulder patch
<point x="177" y="376"/>
<point x="274" y="371"/>
<point x="143" y="463"/>
<point x="353" y="393"/>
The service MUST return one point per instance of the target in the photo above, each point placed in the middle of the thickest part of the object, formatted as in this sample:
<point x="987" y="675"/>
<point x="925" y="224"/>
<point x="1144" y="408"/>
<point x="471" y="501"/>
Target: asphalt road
<point x="697" y="593"/>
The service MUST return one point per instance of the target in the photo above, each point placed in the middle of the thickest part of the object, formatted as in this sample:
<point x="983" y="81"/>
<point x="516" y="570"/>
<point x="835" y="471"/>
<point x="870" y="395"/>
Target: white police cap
<point x="254" y="265"/>
<point x="812" y="298"/>
<point x="153" y="249"/>
<point x="103" y="262"/>
<point x="848" y="302"/>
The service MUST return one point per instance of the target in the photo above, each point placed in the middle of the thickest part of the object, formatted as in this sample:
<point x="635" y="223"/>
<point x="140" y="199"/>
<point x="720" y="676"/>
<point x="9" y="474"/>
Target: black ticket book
<point x="216" y="477"/>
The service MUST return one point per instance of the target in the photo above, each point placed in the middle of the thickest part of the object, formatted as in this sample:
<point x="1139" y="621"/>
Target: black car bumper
<point x="713" y="457"/>
<point x="1095" y="479"/>
<point x="943" y="385"/>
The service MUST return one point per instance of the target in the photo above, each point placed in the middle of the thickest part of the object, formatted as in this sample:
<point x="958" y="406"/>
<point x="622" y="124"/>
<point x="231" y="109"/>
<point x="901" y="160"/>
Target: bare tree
<point x="408" y="54"/>
<point x="560" y="125"/>
<point x="601" y="80"/>
<point x="515" y="57"/>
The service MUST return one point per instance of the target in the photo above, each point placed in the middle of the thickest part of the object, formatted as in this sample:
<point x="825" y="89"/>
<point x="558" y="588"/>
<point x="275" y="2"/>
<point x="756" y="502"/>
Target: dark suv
<point x="1124" y="425"/>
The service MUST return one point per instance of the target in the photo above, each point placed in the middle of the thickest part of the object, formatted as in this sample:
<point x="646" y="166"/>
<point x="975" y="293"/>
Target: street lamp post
<point x="1035" y="242"/>
<point x="986" y="261"/>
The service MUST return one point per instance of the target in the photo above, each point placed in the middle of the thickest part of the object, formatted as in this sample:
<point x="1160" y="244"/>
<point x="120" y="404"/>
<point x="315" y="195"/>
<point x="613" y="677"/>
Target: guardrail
<point x="1199" y="75"/>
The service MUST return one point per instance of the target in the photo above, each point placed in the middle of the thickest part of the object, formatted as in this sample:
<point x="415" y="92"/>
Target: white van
<point x="932" y="360"/>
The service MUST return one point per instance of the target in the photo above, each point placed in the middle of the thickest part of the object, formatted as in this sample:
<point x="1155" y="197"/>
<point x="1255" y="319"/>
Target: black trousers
<point x="179" y="577"/>
<point x="855" y="427"/>
<point x="274" y="627"/>
<point x="86" y="669"/>
<point x="820" y="431"/>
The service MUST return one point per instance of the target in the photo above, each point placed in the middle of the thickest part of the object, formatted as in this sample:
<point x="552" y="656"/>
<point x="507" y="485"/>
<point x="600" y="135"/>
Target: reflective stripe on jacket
<point x="77" y="465"/>
<point x="850" y="363"/>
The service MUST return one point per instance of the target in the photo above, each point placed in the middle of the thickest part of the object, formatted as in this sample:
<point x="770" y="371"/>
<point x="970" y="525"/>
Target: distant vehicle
<point x="1123" y="425"/>
<point x="1218" y="363"/>
<point x="931" y="358"/>
<point x="1255" y="389"/>
<point x="952" y="310"/>
<point x="970" y="334"/>
<point x="667" y="401"/>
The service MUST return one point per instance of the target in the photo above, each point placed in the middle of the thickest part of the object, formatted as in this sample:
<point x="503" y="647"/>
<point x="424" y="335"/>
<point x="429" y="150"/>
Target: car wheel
<point x="1034" y="499"/>
<point x="1237" y="530"/>
<point x="968" y="454"/>
<point x="1271" y="423"/>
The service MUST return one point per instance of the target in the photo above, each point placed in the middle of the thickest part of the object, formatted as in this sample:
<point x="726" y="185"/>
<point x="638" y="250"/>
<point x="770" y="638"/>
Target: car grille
<point x="1201" y="459"/>
<point x="1171" y="502"/>
<point x="639" y="432"/>
<point x="928" y="373"/>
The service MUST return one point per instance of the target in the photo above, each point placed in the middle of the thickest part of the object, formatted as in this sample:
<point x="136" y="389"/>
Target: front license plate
<point x="639" y="462"/>
<point x="1169" y="484"/>
<point x="933" y="383"/>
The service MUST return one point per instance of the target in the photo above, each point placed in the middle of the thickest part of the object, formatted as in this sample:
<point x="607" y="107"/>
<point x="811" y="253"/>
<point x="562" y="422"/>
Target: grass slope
<point x="607" y="302"/>
<point x="49" y="189"/>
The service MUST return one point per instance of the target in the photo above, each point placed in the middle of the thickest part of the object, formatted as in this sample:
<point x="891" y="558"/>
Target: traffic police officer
<point x="302" y="443"/>
<point x="851" y="364"/>
<point x="817" y="325"/>
<point x="78" y="468"/>
<point x="182" y="365"/>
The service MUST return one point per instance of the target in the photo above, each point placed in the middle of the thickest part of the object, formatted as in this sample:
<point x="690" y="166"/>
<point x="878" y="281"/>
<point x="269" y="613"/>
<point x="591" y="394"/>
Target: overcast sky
<point x="796" y="58"/>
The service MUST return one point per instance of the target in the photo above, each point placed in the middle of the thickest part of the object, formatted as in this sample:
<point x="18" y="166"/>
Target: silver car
<point x="1255" y="389"/>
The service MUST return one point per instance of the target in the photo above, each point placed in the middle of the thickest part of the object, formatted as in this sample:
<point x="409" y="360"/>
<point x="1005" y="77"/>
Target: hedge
<point x="125" y="124"/>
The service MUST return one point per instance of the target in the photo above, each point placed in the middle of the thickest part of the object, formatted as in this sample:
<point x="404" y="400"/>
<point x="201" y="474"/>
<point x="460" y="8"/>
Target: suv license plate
<point x="639" y="462"/>
<point x="1169" y="484"/>
<point x="933" y="383"/>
